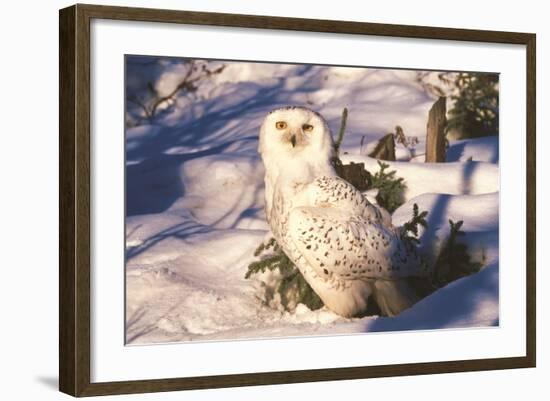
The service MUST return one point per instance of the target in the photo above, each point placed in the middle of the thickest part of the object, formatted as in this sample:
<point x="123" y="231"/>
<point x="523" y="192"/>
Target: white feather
<point x="339" y="241"/>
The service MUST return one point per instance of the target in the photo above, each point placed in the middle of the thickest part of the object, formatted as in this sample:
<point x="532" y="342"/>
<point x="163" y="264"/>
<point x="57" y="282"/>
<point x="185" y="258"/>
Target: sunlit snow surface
<point x="195" y="198"/>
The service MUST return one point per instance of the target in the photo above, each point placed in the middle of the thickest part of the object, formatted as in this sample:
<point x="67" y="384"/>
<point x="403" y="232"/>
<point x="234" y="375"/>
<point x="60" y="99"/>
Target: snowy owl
<point x="346" y="249"/>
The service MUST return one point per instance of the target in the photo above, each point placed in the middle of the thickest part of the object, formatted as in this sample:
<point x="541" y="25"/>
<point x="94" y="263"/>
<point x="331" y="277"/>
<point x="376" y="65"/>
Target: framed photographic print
<point x="251" y="200"/>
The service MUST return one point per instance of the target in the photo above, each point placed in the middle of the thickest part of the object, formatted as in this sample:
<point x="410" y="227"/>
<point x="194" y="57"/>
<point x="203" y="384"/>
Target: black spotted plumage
<point x="362" y="238"/>
<point x="346" y="249"/>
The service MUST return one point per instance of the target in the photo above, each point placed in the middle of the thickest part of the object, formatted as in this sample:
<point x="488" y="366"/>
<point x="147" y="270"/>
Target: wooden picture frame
<point x="75" y="207"/>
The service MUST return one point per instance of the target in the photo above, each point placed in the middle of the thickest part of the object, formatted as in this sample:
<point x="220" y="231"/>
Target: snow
<point x="480" y="149"/>
<point x="195" y="198"/>
<point x="480" y="216"/>
<point x="449" y="178"/>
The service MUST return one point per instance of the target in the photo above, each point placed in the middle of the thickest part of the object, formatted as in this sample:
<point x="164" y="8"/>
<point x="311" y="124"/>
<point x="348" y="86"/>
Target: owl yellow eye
<point x="280" y="125"/>
<point x="307" y="127"/>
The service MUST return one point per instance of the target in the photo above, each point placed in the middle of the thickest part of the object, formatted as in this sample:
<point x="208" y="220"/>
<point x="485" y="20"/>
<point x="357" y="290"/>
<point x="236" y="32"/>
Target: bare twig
<point x="187" y="83"/>
<point x="136" y="101"/>
<point x="340" y="137"/>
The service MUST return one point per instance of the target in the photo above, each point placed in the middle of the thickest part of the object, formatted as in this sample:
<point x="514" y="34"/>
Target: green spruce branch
<point x="454" y="260"/>
<point x="390" y="188"/>
<point x="410" y="228"/>
<point x="292" y="287"/>
<point x="475" y="111"/>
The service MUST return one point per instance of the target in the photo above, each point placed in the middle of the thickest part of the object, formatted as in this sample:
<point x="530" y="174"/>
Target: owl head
<point x="291" y="135"/>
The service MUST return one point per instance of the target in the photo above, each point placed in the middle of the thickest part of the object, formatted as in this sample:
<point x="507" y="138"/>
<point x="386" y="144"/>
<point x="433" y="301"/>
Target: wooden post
<point x="435" y="137"/>
<point x="385" y="149"/>
<point x="355" y="174"/>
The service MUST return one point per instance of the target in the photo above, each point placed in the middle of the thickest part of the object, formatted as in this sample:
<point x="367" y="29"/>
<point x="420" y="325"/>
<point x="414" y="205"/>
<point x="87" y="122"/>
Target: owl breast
<point x="345" y="297"/>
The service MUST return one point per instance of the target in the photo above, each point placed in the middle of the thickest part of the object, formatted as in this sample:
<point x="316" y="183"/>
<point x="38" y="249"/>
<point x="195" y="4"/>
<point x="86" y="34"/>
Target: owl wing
<point x="334" y="192"/>
<point x="340" y="242"/>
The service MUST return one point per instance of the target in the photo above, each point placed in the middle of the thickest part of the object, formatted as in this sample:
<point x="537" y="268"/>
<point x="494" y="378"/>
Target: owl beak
<point x="293" y="140"/>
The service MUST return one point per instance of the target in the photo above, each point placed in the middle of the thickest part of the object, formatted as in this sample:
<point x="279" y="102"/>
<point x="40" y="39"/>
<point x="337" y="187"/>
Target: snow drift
<point x="195" y="198"/>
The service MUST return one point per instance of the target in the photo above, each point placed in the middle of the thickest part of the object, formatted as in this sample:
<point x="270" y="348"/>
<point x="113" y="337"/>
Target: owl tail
<point x="394" y="296"/>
